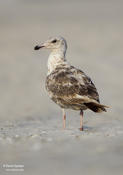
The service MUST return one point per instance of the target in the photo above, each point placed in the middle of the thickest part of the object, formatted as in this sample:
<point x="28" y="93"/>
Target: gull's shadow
<point x="88" y="128"/>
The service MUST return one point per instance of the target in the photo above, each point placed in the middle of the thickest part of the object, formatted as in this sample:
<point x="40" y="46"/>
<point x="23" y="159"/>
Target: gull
<point x="68" y="86"/>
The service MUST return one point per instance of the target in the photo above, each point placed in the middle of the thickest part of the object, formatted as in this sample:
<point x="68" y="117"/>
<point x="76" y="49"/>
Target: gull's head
<point x="54" y="43"/>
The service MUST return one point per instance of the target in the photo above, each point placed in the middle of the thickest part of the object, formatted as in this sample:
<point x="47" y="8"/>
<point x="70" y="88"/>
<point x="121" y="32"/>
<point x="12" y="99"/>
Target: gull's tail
<point x="96" y="107"/>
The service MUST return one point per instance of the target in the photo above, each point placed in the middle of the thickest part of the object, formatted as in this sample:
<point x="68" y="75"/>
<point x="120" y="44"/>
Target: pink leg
<point x="81" y="120"/>
<point x="64" y="119"/>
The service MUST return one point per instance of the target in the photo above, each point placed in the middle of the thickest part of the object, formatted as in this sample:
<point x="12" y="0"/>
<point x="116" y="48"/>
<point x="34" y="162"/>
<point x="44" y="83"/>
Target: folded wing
<point x="74" y="88"/>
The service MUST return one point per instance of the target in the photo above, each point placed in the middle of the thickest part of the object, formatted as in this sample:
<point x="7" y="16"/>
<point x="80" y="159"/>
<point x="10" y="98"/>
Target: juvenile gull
<point x="68" y="86"/>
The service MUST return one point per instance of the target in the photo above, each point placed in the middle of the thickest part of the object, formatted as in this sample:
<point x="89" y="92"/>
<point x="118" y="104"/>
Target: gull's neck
<point x="56" y="57"/>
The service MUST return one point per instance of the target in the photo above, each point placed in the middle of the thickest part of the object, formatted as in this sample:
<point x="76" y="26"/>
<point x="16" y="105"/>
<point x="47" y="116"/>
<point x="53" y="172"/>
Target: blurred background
<point x="94" y="33"/>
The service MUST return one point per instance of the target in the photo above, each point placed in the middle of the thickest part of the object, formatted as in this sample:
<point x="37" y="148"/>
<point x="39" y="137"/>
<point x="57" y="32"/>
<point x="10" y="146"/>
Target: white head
<point x="58" y="47"/>
<point x="54" y="44"/>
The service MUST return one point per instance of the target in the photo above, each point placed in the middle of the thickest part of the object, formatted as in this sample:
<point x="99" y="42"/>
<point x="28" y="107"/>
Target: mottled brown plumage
<point x="68" y="86"/>
<point x="71" y="88"/>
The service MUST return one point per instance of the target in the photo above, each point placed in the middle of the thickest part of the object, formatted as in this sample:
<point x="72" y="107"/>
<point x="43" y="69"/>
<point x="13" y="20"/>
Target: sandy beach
<point x="31" y="133"/>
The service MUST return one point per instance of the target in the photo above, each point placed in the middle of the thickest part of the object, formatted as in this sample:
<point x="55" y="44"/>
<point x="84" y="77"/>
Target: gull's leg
<point x="64" y="119"/>
<point x="81" y="120"/>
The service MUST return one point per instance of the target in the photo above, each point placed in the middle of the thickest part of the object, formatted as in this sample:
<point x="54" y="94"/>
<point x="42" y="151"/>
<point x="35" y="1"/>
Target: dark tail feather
<point x="96" y="107"/>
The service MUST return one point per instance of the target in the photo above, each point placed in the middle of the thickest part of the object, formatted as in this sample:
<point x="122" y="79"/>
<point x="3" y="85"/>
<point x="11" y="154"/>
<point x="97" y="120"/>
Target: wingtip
<point x="107" y="106"/>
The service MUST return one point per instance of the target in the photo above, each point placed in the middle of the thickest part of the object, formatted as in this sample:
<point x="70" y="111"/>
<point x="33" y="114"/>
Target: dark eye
<point x="54" y="41"/>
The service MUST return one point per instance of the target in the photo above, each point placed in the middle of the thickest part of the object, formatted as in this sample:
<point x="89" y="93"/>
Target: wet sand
<point x="30" y="123"/>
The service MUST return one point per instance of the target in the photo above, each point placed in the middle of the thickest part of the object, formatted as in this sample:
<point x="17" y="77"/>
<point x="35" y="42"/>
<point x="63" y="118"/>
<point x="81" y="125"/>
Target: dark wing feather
<point x="69" y="82"/>
<point x="92" y="91"/>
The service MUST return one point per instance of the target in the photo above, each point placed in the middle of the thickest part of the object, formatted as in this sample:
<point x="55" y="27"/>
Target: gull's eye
<point x="54" y="41"/>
